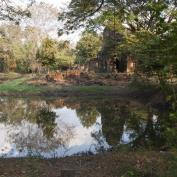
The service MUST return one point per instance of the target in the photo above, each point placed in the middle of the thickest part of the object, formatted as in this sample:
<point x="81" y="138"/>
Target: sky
<point x="57" y="3"/>
<point x="62" y="4"/>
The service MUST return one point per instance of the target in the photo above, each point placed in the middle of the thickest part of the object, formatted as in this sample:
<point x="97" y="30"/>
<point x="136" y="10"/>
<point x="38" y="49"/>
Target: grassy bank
<point x="20" y="87"/>
<point x="115" y="164"/>
<point x="17" y="85"/>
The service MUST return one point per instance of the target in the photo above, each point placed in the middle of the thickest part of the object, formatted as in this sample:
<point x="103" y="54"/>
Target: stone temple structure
<point x="107" y="60"/>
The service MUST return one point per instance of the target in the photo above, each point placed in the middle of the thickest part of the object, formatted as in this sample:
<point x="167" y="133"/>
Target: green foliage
<point x="17" y="52"/>
<point x="20" y="43"/>
<point x="148" y="26"/>
<point x="88" y="47"/>
<point x="170" y="122"/>
<point x="22" y="51"/>
<point x="46" y="54"/>
<point x="65" y="56"/>
<point x="23" y="66"/>
<point x="56" y="55"/>
<point x="137" y="15"/>
<point x="6" y="54"/>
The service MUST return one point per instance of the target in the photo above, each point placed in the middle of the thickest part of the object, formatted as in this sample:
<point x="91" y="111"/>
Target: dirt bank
<point x="111" y="164"/>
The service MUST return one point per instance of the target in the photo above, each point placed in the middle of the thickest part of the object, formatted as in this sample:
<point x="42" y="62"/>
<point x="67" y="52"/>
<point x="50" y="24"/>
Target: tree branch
<point x="98" y="8"/>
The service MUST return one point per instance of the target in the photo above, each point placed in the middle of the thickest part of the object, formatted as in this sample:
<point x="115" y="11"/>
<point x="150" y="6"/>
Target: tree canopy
<point x="135" y="15"/>
<point x="88" y="47"/>
<point x="11" y="10"/>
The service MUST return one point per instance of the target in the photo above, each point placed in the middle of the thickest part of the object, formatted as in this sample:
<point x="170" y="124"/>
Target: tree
<point x="10" y="45"/>
<point x="55" y="54"/>
<point x="79" y="11"/>
<point x="41" y="25"/>
<point x="13" y="50"/>
<point x="135" y="15"/>
<point x="65" y="56"/>
<point x="155" y="51"/>
<point x="47" y="53"/>
<point x="88" y="47"/>
<point x="146" y="25"/>
<point x="11" y="11"/>
<point x="132" y="17"/>
<point x="5" y="55"/>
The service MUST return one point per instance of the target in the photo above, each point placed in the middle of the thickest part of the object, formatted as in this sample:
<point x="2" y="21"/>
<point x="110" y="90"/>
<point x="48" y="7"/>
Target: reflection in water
<point x="87" y="114"/>
<point x="37" y="127"/>
<point x="113" y="119"/>
<point x="45" y="119"/>
<point x="61" y="127"/>
<point x="31" y="128"/>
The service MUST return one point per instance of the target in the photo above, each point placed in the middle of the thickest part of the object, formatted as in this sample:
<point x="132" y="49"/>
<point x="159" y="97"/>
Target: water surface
<point x="63" y="127"/>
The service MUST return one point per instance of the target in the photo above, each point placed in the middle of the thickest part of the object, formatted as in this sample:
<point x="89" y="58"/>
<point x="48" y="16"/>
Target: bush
<point x="23" y="66"/>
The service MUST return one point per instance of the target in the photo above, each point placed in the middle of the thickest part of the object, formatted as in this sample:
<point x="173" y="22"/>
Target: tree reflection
<point x="36" y="128"/>
<point x="142" y="128"/>
<point x="12" y="110"/>
<point x="45" y="118"/>
<point x="32" y="125"/>
<point x="114" y="118"/>
<point x="156" y="131"/>
<point x="146" y="132"/>
<point x="30" y="138"/>
<point x="88" y="114"/>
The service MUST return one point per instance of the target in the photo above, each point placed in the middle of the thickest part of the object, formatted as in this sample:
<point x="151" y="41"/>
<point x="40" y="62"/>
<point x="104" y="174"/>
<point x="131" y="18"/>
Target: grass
<point x="17" y="85"/>
<point x="172" y="167"/>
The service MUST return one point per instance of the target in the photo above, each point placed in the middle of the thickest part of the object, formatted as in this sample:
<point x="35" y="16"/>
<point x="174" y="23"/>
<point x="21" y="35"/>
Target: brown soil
<point x="86" y="79"/>
<point x="111" y="164"/>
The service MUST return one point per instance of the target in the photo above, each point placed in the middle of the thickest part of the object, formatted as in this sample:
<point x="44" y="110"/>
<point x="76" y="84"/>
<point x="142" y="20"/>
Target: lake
<point x="59" y="127"/>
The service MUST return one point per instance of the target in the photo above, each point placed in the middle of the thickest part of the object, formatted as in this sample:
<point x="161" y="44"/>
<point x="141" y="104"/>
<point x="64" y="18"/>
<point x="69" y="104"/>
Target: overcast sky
<point x="60" y="4"/>
<point x="57" y="3"/>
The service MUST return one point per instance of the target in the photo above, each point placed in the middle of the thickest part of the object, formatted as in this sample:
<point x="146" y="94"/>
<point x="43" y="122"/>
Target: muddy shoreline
<point x="108" y="164"/>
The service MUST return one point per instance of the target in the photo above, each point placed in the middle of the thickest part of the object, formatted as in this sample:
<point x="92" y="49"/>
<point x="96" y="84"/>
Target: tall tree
<point x="65" y="56"/>
<point x="88" y="47"/>
<point x="11" y="46"/>
<point x="135" y="15"/>
<point x="47" y="53"/>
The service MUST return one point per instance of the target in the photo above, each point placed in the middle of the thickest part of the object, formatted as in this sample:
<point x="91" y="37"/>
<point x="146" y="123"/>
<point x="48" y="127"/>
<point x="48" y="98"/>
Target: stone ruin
<point x="107" y="60"/>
